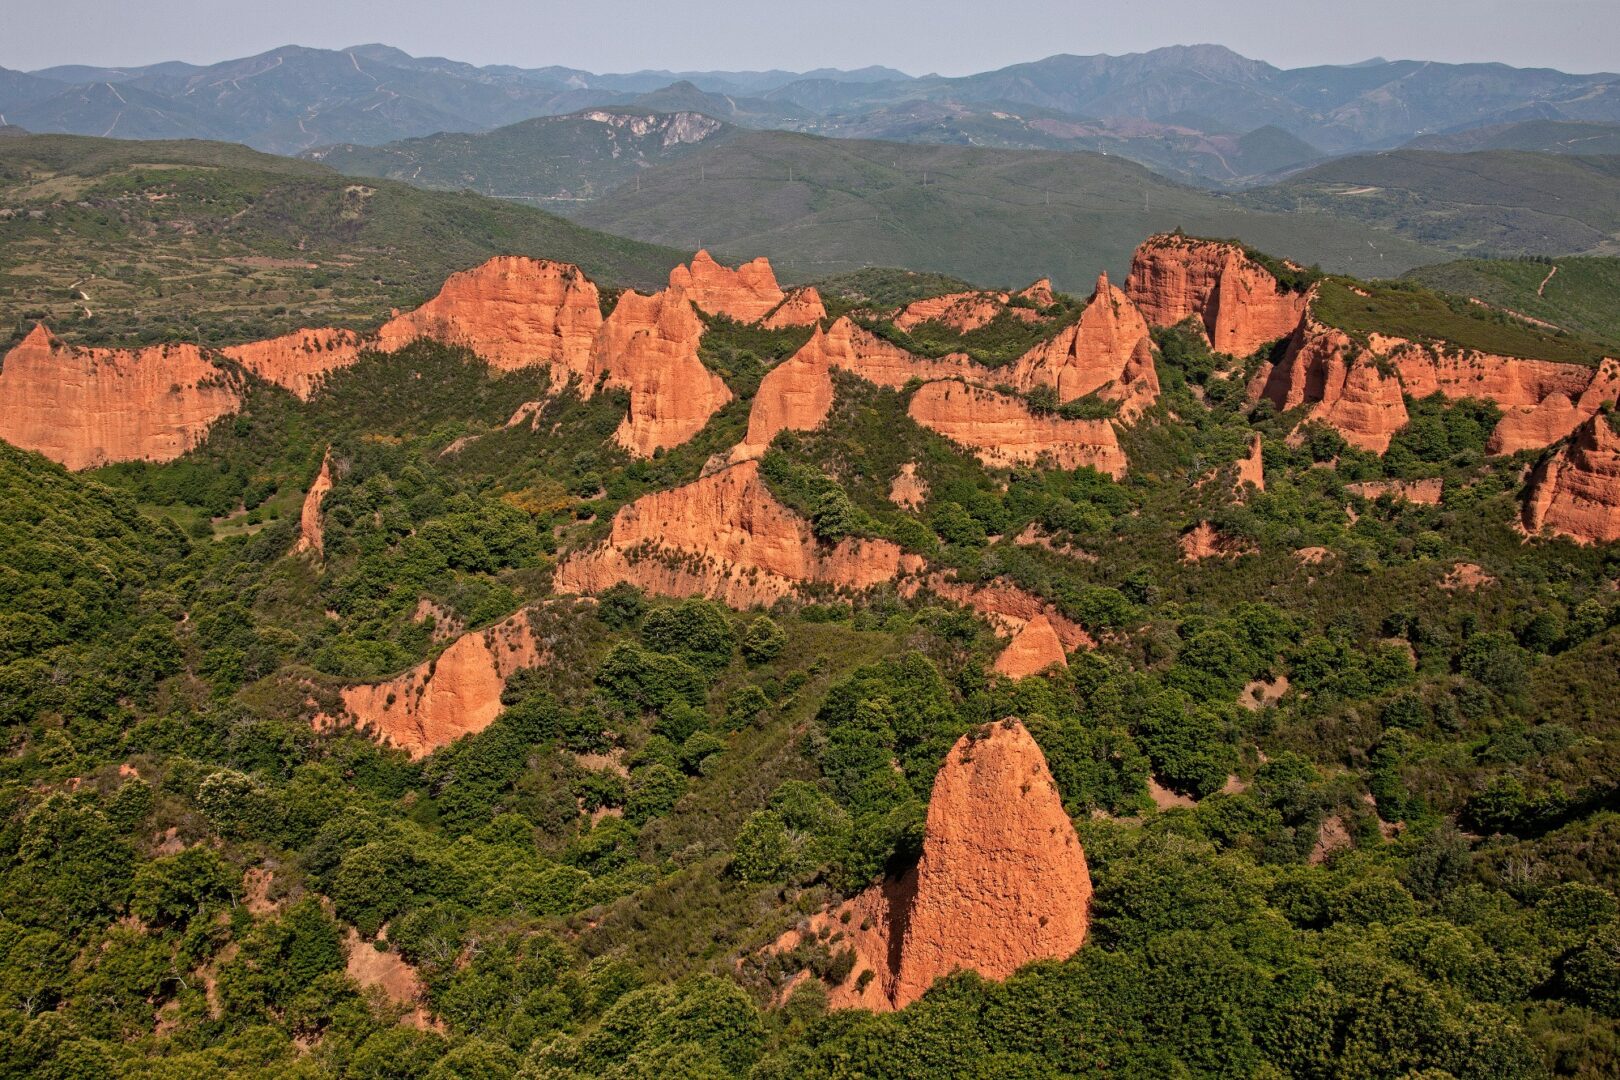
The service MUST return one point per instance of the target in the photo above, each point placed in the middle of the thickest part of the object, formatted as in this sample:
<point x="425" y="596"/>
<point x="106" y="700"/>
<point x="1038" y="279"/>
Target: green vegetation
<point x="1495" y="202"/>
<point x="1578" y="299"/>
<point x="138" y="242"/>
<point x="1407" y="309"/>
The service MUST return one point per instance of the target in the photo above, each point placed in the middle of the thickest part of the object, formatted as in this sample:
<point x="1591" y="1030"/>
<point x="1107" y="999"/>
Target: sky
<point x="951" y="37"/>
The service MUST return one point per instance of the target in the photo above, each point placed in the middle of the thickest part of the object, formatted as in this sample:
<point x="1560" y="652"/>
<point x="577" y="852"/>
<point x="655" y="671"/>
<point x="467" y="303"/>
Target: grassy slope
<point x="991" y="216"/>
<point x="1579" y="297"/>
<point x="1496" y="202"/>
<point x="205" y="239"/>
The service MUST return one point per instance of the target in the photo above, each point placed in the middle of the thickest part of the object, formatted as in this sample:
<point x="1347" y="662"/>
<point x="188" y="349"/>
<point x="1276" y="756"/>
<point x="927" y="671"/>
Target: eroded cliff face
<point x="1576" y="491"/>
<point x="1002" y="880"/>
<point x="1033" y="649"/>
<point x="1108" y="352"/>
<point x="1006" y="607"/>
<point x="746" y="294"/>
<point x="299" y="361"/>
<point x="1002" y="432"/>
<point x="457" y="693"/>
<point x="311" y="535"/>
<point x="803" y="307"/>
<point x="649" y="346"/>
<point x="908" y="490"/>
<point x="1356" y="388"/>
<point x="1236" y="300"/>
<point x="89" y="407"/>
<point x="965" y="312"/>
<point x="1251" y="469"/>
<point x="513" y="312"/>
<point x="725" y="537"/>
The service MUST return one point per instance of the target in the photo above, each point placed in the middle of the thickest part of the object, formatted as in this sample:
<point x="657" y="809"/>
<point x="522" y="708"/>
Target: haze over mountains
<point x="1193" y="111"/>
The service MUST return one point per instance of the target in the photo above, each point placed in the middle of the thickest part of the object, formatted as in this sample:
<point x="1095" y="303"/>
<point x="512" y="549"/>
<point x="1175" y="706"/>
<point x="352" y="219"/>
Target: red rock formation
<point x="1108" y="352"/>
<point x="1002" y="880"/>
<point x="724" y="536"/>
<point x="1576" y="491"/>
<point x="1420" y="492"/>
<point x="649" y="346"/>
<point x="456" y="693"/>
<point x="1346" y="382"/>
<point x="1236" y="300"/>
<point x="88" y="407"/>
<point x="746" y="294"/>
<point x="803" y="307"/>
<point x="1033" y="649"/>
<point x="1002" y="432"/>
<point x="311" y="537"/>
<point x="796" y="395"/>
<point x="965" y="312"/>
<point x="299" y="361"/>
<point x="1007" y="607"/>
<point x="513" y="312"/>
<point x="1251" y="470"/>
<point x="845" y="345"/>
<point x="1204" y="541"/>
<point x="392" y="975"/>
<point x="908" y="490"/>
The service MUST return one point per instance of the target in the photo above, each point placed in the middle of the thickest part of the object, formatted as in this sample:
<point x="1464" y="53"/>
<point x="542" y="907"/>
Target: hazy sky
<point x="949" y="36"/>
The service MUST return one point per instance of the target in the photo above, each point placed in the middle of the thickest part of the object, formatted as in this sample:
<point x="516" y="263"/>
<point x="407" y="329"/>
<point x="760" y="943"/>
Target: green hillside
<point x="1578" y="297"/>
<point x="129" y="242"/>
<point x="547" y="159"/>
<point x="1549" y="136"/>
<point x="996" y="217"/>
<point x="1490" y="203"/>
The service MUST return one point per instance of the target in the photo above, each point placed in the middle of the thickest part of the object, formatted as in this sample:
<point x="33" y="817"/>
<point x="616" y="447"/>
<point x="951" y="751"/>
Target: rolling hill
<point x="1545" y="136"/>
<point x="1496" y="202"/>
<point x="580" y="156"/>
<point x="818" y="206"/>
<point x="147" y="241"/>
<point x="1574" y="294"/>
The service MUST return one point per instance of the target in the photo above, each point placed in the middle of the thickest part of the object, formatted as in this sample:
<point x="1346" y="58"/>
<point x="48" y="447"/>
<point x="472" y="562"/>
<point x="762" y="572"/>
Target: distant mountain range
<point x="1197" y="112"/>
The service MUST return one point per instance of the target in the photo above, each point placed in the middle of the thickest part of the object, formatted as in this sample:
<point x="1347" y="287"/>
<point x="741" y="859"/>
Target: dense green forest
<point x="1394" y="852"/>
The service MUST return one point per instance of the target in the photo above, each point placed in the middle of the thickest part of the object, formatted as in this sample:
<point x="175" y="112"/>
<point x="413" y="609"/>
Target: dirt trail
<point x="1541" y="289"/>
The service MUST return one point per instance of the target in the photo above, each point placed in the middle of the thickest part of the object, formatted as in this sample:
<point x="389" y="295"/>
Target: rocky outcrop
<point x="1237" y="301"/>
<point x="311" y="536"/>
<point x="1347" y="383"/>
<point x="965" y="312"/>
<point x="511" y="311"/>
<point x="1006" y="607"/>
<point x="1251" y="469"/>
<point x="908" y="490"/>
<point x="746" y="294"/>
<point x="1418" y="492"/>
<point x="1204" y="541"/>
<point x="89" y="407"/>
<point x="1002" y="880"/>
<point x="649" y="346"/>
<point x="803" y="307"/>
<point x="456" y="693"/>
<point x="726" y="537"/>
<point x="1002" y="432"/>
<point x="1108" y="352"/>
<point x="846" y="346"/>
<point x="299" y="361"/>
<point x="1033" y="649"/>
<point x="1576" y="491"/>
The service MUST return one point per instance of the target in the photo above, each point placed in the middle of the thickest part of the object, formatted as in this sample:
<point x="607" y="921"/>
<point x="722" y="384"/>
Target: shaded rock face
<point x="1204" y="541"/>
<point x="1576" y="491"/>
<point x="1002" y="432"/>
<point x="725" y="537"/>
<point x="746" y="294"/>
<point x="299" y="361"/>
<point x="965" y="312"/>
<point x="457" y="693"/>
<point x="1108" y="352"/>
<point x="1033" y="649"/>
<point x="1350" y="391"/>
<point x="649" y="346"/>
<point x="311" y="536"/>
<point x="513" y="312"/>
<point x="1002" y="880"/>
<point x="1236" y="300"/>
<point x="89" y="407"/>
